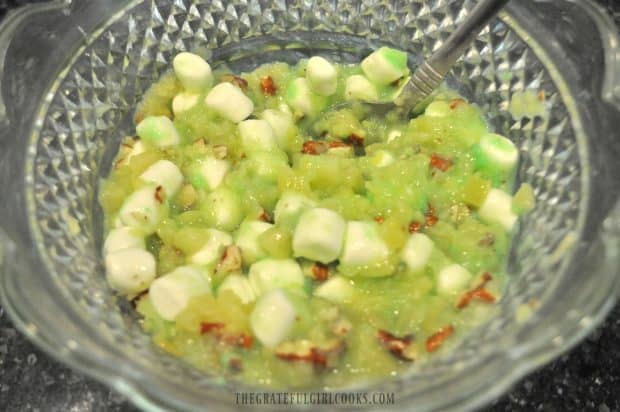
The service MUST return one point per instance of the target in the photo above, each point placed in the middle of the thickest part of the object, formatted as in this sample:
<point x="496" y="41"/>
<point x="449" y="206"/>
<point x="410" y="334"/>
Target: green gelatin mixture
<point x="364" y="316"/>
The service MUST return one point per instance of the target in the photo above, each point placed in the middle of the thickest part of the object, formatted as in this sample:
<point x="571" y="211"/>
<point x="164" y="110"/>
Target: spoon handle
<point x="431" y="73"/>
<point x="448" y="54"/>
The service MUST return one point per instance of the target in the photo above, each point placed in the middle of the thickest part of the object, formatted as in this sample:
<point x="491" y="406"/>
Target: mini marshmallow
<point x="273" y="317"/>
<point x="171" y="293"/>
<point x="247" y="240"/>
<point x="211" y="252"/>
<point x="130" y="271"/>
<point x="223" y="209"/>
<point x="417" y="251"/>
<point x="166" y="174"/>
<point x="363" y="245"/>
<point x="290" y="206"/>
<point x="240" y="286"/>
<point x="210" y="173"/>
<point x="229" y="102"/>
<point x="257" y="135"/>
<point x="269" y="274"/>
<point x="123" y="238"/>
<point x="322" y="76"/>
<point x="452" y="279"/>
<point x="336" y="290"/>
<point x="299" y="96"/>
<point x="158" y="131"/>
<point x="141" y="209"/>
<point x="497" y="152"/>
<point x="319" y="235"/>
<point x="385" y="65"/>
<point x="497" y="208"/>
<point x="184" y="101"/>
<point x="281" y="123"/>
<point x="193" y="71"/>
<point x="358" y="87"/>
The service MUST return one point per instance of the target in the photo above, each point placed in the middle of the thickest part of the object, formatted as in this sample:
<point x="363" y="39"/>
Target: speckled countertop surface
<point x="585" y="379"/>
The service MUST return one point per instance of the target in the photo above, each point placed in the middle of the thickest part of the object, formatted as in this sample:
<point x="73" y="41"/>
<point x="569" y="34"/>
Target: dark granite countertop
<point x="585" y="379"/>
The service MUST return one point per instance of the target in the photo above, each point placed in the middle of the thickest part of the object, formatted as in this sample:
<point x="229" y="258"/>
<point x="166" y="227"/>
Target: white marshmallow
<point x="240" y="286"/>
<point x="210" y="173"/>
<point x="322" y="76"/>
<point x="130" y="271"/>
<point x="123" y="238"/>
<point x="171" y="293"/>
<point x="257" y="135"/>
<point x="193" y="71"/>
<point x="497" y="208"/>
<point x="437" y="108"/>
<point x="247" y="240"/>
<point x="336" y="290"/>
<point x="363" y="245"/>
<point x="224" y="209"/>
<point x="358" y="87"/>
<point x="184" y="101"/>
<point x="299" y="96"/>
<point x="417" y="251"/>
<point x="385" y="65"/>
<point x="281" y="123"/>
<point x="141" y="209"/>
<point x="229" y="102"/>
<point x="158" y="131"/>
<point x="211" y="252"/>
<point x="452" y="279"/>
<point x="290" y="206"/>
<point x="166" y="174"/>
<point x="272" y="317"/>
<point x="498" y="151"/>
<point x="271" y="274"/>
<point x="319" y="235"/>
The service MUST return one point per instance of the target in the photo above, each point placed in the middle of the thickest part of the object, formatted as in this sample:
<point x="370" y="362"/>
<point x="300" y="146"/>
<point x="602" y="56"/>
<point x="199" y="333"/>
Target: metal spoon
<point x="430" y="74"/>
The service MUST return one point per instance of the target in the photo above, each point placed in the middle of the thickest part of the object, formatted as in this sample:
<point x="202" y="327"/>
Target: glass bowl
<point x="73" y="72"/>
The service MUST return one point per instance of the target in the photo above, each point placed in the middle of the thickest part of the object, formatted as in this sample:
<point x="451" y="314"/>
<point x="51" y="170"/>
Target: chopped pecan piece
<point x="337" y="143"/>
<point x="320" y="356"/>
<point x="208" y="327"/>
<point x="437" y="339"/>
<point x="456" y="103"/>
<point x="235" y="80"/>
<point x="430" y="217"/>
<point x="314" y="147"/>
<point x="402" y="348"/>
<point x="160" y="194"/>
<point x="479" y="293"/>
<point x="355" y="140"/>
<point x="265" y="217"/>
<point x="414" y="227"/>
<point x="230" y="260"/>
<point x="440" y="163"/>
<point x="320" y="271"/>
<point x="268" y="86"/>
